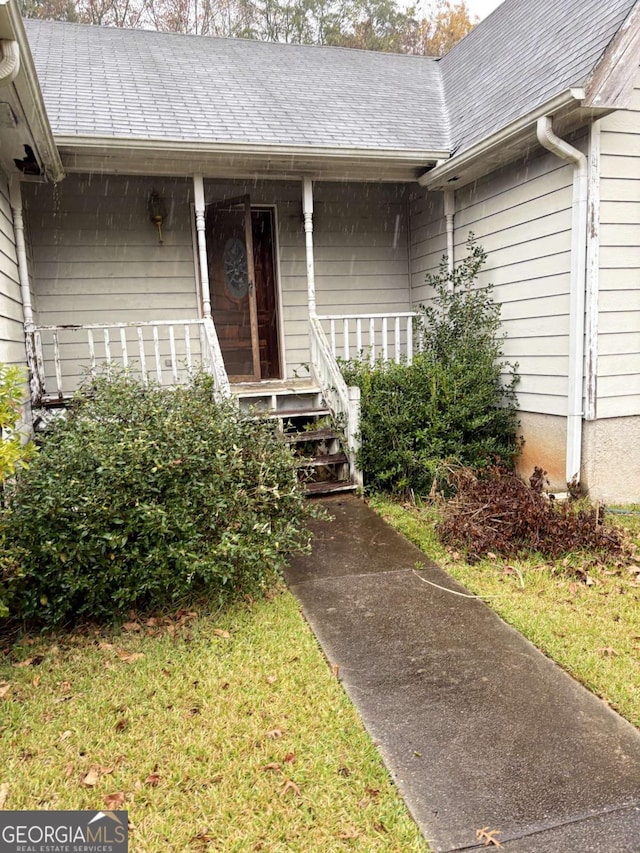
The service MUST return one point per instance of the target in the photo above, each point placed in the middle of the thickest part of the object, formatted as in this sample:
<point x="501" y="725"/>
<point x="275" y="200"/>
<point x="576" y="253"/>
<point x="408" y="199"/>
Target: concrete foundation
<point x="611" y="459"/>
<point x="545" y="445"/>
<point x="610" y="455"/>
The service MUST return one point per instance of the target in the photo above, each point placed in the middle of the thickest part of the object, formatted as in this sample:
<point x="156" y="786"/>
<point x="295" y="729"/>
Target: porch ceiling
<point x="214" y="160"/>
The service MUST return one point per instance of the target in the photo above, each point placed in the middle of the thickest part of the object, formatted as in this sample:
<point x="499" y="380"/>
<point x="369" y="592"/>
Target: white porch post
<point x="307" y="210"/>
<point x="198" y="193"/>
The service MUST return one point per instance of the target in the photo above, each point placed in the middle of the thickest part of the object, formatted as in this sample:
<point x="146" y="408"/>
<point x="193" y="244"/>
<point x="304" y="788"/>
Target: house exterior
<point x="263" y="207"/>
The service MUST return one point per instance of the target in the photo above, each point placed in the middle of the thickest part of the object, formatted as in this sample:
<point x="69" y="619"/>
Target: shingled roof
<point x="98" y="81"/>
<point x="140" y="85"/>
<point x="520" y="57"/>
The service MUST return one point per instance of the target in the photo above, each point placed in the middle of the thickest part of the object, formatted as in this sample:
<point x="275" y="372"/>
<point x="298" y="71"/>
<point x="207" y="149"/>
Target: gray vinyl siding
<point x="618" y="378"/>
<point x="12" y="349"/>
<point x="428" y="241"/>
<point x="95" y="257"/>
<point x="521" y="215"/>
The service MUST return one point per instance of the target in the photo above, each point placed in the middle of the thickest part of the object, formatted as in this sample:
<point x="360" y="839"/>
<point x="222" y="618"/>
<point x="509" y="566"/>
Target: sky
<point x="482" y="8"/>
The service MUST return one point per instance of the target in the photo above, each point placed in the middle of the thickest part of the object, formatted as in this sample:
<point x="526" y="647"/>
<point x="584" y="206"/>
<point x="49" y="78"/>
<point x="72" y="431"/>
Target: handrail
<point x="371" y="336"/>
<point x="343" y="400"/>
<point x="152" y="354"/>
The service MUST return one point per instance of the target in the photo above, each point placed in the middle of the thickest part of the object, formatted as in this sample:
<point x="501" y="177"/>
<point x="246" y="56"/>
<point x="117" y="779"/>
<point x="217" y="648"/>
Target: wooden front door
<point x="240" y="244"/>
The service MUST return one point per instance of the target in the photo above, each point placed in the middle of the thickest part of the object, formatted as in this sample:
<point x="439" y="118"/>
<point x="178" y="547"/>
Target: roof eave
<point x="611" y="82"/>
<point x="27" y="89"/>
<point x="473" y="162"/>
<point x="177" y="157"/>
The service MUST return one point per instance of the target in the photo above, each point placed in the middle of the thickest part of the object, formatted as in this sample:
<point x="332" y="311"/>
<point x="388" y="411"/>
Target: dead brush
<point x="495" y="512"/>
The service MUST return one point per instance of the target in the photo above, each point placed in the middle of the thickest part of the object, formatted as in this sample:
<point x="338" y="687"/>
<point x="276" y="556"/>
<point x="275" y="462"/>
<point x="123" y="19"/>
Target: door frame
<point x="273" y="208"/>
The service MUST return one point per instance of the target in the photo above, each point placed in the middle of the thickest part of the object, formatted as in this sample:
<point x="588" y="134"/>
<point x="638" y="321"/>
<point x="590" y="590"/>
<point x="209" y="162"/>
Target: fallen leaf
<point x="608" y="651"/>
<point x="352" y="832"/>
<point x="132" y="626"/>
<point x="573" y="588"/>
<point x="152" y="779"/>
<point x="121" y="725"/>
<point x="491" y="555"/>
<point x="65" y="735"/>
<point x="23" y="663"/>
<point x="272" y="766"/>
<point x="4" y="794"/>
<point x="65" y="686"/>
<point x="336" y="670"/>
<point x="129" y="657"/>
<point x="290" y="785"/>
<point x="106" y="771"/>
<point x="114" y="801"/>
<point x="90" y="779"/>
<point x="105" y="646"/>
<point x="220" y="633"/>
<point x="290" y="757"/>
<point x="271" y="679"/>
<point x="69" y="770"/>
<point x="487" y="835"/>
<point x="275" y="734"/>
<point x="5" y="690"/>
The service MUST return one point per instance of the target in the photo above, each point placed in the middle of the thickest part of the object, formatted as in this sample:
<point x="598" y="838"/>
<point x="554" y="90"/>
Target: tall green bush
<point x="15" y="454"/>
<point x="141" y="497"/>
<point x="456" y="403"/>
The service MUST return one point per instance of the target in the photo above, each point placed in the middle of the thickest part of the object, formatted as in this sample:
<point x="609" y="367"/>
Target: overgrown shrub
<point x="455" y="402"/>
<point x="140" y="498"/>
<point x="15" y="454"/>
<point x="495" y="512"/>
<point x="14" y="451"/>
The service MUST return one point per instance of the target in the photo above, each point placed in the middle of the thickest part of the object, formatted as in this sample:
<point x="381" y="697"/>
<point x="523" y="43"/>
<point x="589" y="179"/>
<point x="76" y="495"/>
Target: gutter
<point x="129" y="143"/>
<point x="452" y="167"/>
<point x="10" y="63"/>
<point x="562" y="149"/>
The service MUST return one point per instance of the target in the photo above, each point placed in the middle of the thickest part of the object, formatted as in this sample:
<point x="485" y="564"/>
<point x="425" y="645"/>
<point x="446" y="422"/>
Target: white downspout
<point x="15" y="200"/>
<point x="307" y="212"/>
<point x="10" y="62"/>
<point x="562" y="149"/>
<point x="449" y="215"/>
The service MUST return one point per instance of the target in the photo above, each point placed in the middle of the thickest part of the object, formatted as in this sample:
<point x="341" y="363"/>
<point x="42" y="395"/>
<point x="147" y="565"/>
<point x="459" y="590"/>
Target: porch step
<point x="324" y="461"/>
<point x="322" y="488"/>
<point x="312" y="435"/>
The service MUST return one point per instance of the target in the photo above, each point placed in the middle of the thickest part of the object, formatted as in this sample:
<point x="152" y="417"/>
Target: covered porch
<point x="252" y="281"/>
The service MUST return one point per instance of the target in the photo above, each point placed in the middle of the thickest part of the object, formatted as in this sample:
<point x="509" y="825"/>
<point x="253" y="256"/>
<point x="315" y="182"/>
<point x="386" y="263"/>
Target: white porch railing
<point x="343" y="400"/>
<point x="370" y="336"/>
<point x="162" y="351"/>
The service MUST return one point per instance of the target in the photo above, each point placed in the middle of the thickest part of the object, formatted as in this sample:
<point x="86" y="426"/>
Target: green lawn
<point x="226" y="733"/>
<point x="592" y="631"/>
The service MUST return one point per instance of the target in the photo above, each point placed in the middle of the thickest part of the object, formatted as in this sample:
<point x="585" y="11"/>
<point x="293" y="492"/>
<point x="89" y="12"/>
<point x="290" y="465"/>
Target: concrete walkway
<point x="476" y="726"/>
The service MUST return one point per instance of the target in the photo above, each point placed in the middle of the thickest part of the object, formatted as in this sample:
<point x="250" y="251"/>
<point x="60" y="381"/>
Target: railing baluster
<point x="372" y="341"/>
<point x="107" y="346"/>
<point x="172" y="350"/>
<point x="333" y="338"/>
<point x="58" y="366"/>
<point x="187" y="345"/>
<point x="385" y="342"/>
<point x="358" y="338"/>
<point x="396" y="332"/>
<point x="345" y="338"/>
<point x="92" y="351"/>
<point x="409" y="340"/>
<point x="123" y="344"/>
<point x="143" y="360"/>
<point x="156" y="350"/>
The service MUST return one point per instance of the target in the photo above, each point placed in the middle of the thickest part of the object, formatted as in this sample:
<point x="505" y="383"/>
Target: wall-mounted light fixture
<point x="157" y="212"/>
